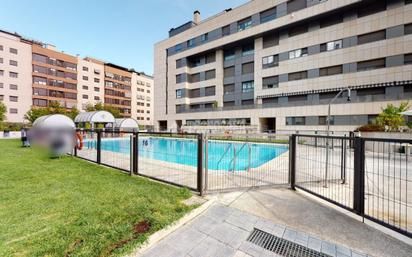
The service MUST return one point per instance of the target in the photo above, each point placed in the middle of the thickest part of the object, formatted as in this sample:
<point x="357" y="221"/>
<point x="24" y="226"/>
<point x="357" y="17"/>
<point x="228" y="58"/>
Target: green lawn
<point x="69" y="207"/>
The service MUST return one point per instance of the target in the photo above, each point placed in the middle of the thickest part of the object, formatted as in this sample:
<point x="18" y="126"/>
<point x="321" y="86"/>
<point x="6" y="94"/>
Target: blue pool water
<point x="182" y="151"/>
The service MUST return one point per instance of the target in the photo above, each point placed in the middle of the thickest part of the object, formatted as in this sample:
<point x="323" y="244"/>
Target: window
<point x="96" y="89"/>
<point x="210" y="74"/>
<point x="191" y="43"/>
<point x="1" y="72"/>
<point x="229" y="72"/>
<point x="1" y="85"/>
<point x="85" y="78"/>
<point x="372" y="8"/>
<point x="295" y="121"/>
<point x="331" y="20"/>
<point x="195" y="78"/>
<point x="270" y="40"/>
<point x="298" y="30"/>
<point x="13" y="98"/>
<point x="211" y="57"/>
<point x="248" y="87"/>
<point x="13" y="110"/>
<point x="268" y="15"/>
<point x="13" y="74"/>
<point x="1" y="48"/>
<point x="370" y="91"/>
<point x="1" y="60"/>
<point x="270" y="61"/>
<point x="179" y="63"/>
<point x="270" y="100"/>
<point x="179" y="78"/>
<point x="39" y="80"/>
<point x="297" y="75"/>
<point x="229" y="54"/>
<point x="13" y="63"/>
<point x="408" y="29"/>
<point x="329" y="71"/>
<point x="85" y="97"/>
<point x="97" y="72"/>
<point x="270" y="82"/>
<point x="297" y="98"/>
<point x="371" y="37"/>
<point x="229" y="89"/>
<point x="96" y="98"/>
<point x="13" y="50"/>
<point x="96" y="80"/>
<point x="204" y="37"/>
<point x="248" y="68"/>
<point x="85" y="68"/>
<point x="226" y="30"/>
<point x="322" y="120"/>
<point x="298" y="53"/>
<point x="209" y="91"/>
<point x="295" y="5"/>
<point x="1" y="97"/>
<point x="13" y="87"/>
<point x="248" y="102"/>
<point x="333" y="45"/>
<point x="194" y="93"/>
<point x="248" y="50"/>
<point x="371" y="64"/>
<point x="40" y="102"/>
<point x="179" y="93"/>
<point x="407" y="59"/>
<point x="178" y="48"/>
<point x="85" y="87"/>
<point x="244" y="24"/>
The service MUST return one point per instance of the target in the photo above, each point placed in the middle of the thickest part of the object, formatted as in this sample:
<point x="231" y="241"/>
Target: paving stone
<point x="342" y="251"/>
<point x="205" y="224"/>
<point x="210" y="247"/>
<point x="242" y="220"/>
<point x="164" y="250"/>
<point x="229" y="234"/>
<point x="185" y="239"/>
<point x="267" y="253"/>
<point x="300" y="236"/>
<point x="357" y="254"/>
<point x="278" y="231"/>
<point x="290" y="234"/>
<point x="219" y="212"/>
<point x="241" y="254"/>
<point x="328" y="248"/>
<point x="314" y="244"/>
<point x="265" y="225"/>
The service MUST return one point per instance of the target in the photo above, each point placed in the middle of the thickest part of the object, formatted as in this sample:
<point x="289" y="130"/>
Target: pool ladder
<point x="235" y="153"/>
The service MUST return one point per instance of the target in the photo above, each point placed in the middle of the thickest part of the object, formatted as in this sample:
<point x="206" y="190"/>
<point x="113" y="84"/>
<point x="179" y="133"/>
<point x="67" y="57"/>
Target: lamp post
<point x="328" y="130"/>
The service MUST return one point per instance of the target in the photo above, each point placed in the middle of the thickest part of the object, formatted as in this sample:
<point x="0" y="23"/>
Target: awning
<point x="95" y="117"/>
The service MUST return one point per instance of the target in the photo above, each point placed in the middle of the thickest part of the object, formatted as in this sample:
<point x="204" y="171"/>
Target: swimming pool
<point x="222" y="155"/>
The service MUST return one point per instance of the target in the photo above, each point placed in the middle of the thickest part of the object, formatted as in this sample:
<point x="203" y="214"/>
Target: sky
<point x="117" y="31"/>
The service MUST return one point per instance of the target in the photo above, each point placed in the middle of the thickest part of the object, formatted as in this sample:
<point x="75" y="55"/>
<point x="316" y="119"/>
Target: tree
<point x="100" y="107"/>
<point x="35" y="113"/>
<point x="53" y="108"/>
<point x="3" y="110"/>
<point x="391" y="117"/>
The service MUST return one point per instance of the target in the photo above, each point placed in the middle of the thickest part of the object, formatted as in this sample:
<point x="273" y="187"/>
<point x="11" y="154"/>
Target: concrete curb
<point x="161" y="234"/>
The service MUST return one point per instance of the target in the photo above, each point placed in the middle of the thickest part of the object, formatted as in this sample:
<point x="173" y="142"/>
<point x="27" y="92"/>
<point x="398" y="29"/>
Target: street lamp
<point x="328" y="130"/>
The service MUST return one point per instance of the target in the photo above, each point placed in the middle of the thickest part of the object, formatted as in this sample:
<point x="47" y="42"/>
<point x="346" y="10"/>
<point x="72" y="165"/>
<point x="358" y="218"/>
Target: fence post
<point x="200" y="164"/>
<point x="99" y="146"/>
<point x="359" y="173"/>
<point x="136" y="153"/>
<point x="131" y="158"/>
<point x="292" y="161"/>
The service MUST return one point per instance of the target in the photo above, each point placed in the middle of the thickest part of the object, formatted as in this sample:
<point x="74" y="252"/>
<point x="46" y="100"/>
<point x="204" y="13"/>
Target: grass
<point x="69" y="207"/>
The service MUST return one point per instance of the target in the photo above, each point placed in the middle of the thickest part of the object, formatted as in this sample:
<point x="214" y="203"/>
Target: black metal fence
<point x="168" y="157"/>
<point x="370" y="177"/>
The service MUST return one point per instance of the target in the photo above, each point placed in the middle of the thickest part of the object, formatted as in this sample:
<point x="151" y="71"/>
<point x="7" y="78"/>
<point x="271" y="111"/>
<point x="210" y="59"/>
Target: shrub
<point x="370" y="128"/>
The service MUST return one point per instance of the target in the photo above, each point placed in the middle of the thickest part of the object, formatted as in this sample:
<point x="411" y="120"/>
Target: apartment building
<point x="54" y="76"/>
<point x="90" y="77"/>
<point x="34" y="74"/>
<point x="142" y="95"/>
<point x="15" y="76"/>
<point x="276" y="65"/>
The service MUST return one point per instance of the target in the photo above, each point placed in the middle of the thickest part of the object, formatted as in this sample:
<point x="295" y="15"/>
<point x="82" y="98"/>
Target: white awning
<point x="54" y="121"/>
<point x="95" y="117"/>
<point x="126" y="123"/>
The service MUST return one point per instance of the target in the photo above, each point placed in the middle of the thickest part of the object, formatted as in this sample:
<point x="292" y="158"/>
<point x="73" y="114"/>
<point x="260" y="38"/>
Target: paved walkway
<point x="223" y="231"/>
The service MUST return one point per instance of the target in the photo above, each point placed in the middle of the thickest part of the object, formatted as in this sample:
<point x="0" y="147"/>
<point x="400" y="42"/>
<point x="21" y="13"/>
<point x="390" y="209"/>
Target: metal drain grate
<point x="281" y="246"/>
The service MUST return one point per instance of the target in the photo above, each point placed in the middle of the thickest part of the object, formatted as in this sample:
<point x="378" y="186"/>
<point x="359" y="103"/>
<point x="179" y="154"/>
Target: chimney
<point x="196" y="17"/>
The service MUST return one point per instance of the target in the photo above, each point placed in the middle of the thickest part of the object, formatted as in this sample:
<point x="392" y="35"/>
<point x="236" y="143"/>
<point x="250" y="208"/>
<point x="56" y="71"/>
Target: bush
<point x="370" y="128"/>
<point x="10" y="126"/>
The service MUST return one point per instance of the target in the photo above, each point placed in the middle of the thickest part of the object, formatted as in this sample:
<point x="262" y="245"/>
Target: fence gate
<point x="370" y="177"/>
<point x="245" y="160"/>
